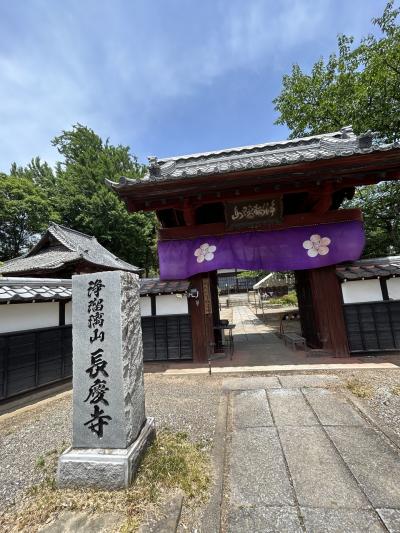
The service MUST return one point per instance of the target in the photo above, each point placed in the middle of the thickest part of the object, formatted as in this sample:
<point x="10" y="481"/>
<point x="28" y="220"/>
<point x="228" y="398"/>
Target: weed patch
<point x="359" y="389"/>
<point x="172" y="462"/>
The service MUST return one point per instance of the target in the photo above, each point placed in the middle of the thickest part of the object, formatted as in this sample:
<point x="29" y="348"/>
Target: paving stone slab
<point x="333" y="409"/>
<point x="289" y="408"/>
<point x="341" y="521"/>
<point x="320" y="477"/>
<point x="391" y="519"/>
<point x="73" y="522"/>
<point x="257" y="473"/>
<point x="374" y="463"/>
<point x="261" y="519"/>
<point x="250" y="409"/>
<point x="247" y="383"/>
<point x="308" y="380"/>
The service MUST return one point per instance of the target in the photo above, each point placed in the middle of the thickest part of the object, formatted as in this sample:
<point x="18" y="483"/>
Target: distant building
<point x="371" y="303"/>
<point x="275" y="284"/>
<point x="62" y="252"/>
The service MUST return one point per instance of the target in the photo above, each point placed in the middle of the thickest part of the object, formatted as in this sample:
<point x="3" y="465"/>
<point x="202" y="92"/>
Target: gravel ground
<point x="187" y="404"/>
<point x="26" y="437"/>
<point x="180" y="403"/>
<point x="384" y="403"/>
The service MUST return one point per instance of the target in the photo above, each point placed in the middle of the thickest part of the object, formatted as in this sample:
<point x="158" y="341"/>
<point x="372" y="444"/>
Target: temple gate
<point x="274" y="206"/>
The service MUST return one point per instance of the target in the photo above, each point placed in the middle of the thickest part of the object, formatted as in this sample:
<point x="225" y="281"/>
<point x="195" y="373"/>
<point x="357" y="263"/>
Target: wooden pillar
<point x="215" y="305"/>
<point x="61" y="313"/>
<point x="306" y="308"/>
<point x="202" y="318"/>
<point x="328" y="310"/>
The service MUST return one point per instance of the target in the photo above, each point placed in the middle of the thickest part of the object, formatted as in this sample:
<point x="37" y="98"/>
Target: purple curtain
<point x="296" y="248"/>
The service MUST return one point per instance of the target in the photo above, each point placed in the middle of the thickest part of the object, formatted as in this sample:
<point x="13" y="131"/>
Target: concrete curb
<point x="273" y="369"/>
<point x="211" y="521"/>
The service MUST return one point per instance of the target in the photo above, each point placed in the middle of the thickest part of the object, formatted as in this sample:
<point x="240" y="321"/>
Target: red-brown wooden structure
<point x="312" y="177"/>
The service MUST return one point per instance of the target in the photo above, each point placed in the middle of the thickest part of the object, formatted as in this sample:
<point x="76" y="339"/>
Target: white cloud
<point x="94" y="62"/>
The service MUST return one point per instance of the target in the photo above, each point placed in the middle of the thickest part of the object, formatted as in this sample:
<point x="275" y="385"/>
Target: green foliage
<point x="25" y="212"/>
<point x="75" y="195"/>
<point x="252" y="274"/>
<point x="86" y="204"/>
<point x="381" y="207"/>
<point x="286" y="299"/>
<point x="358" y="85"/>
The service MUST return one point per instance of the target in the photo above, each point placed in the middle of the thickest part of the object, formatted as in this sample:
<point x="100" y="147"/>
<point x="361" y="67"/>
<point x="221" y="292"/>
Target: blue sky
<point x="165" y="77"/>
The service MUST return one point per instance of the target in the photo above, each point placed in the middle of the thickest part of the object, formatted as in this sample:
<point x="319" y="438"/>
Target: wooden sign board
<point x="254" y="213"/>
<point x="207" y="297"/>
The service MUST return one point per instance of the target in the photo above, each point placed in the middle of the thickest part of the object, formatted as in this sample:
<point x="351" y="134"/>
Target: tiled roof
<point x="369" y="268"/>
<point x="73" y="246"/>
<point x="38" y="289"/>
<point x="274" y="154"/>
<point x="156" y="286"/>
<point x="52" y="258"/>
<point x="48" y="289"/>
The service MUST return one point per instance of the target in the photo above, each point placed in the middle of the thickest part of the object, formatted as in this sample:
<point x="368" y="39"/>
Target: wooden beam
<point x="289" y="221"/>
<point x="361" y="168"/>
<point x="250" y="192"/>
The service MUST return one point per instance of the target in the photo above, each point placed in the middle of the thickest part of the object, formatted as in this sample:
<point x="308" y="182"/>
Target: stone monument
<point x="110" y="428"/>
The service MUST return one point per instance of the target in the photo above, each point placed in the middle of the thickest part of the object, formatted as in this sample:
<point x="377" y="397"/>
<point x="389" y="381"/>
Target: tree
<point x="381" y="207"/>
<point x="358" y="85"/>
<point x="85" y="203"/>
<point x="75" y="195"/>
<point x="25" y="212"/>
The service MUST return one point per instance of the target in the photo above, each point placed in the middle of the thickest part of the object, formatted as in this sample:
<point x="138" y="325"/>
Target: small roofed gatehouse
<point x="36" y="310"/>
<point x="62" y="252"/>
<point x="275" y="206"/>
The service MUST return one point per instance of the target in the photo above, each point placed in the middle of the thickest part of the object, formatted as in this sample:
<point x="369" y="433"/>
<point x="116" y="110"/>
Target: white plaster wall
<point x="171" y="304"/>
<point x="368" y="290"/>
<point x="145" y="305"/>
<point x="68" y="313"/>
<point x="393" y="285"/>
<point x="18" y="317"/>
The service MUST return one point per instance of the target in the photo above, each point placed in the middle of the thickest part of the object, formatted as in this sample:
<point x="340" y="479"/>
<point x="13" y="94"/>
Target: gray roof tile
<point x="369" y="268"/>
<point x="29" y="289"/>
<point x="73" y="246"/>
<point x="156" y="286"/>
<point x="328" y="146"/>
<point x="45" y="289"/>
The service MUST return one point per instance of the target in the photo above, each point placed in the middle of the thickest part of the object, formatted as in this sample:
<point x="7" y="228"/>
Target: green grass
<point x="286" y="299"/>
<point x="171" y="463"/>
<point x="174" y="462"/>
<point x="359" y="389"/>
<point x="40" y="462"/>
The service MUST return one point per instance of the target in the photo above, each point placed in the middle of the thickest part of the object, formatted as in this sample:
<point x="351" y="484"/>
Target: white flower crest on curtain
<point x="317" y="245"/>
<point x="205" y="252"/>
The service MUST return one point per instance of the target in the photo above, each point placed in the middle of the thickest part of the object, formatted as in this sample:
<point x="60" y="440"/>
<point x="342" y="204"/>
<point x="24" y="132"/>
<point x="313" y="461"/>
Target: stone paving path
<point x="248" y="326"/>
<point x="301" y="458"/>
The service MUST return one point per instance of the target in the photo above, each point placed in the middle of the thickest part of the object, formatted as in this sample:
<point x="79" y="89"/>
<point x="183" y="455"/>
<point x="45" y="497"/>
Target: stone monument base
<point x="104" y="468"/>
